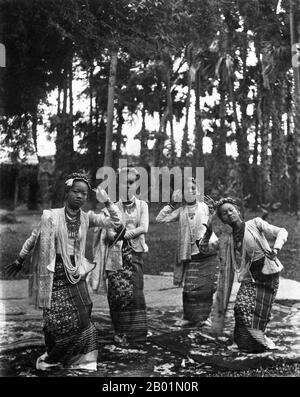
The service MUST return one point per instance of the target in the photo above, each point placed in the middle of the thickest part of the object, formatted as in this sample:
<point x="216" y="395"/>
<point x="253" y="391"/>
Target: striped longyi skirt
<point x="252" y="309"/>
<point x="199" y="287"/>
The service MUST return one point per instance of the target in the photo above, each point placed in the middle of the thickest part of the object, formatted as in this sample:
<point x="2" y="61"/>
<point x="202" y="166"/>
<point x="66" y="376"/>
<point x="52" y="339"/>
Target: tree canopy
<point x="161" y="58"/>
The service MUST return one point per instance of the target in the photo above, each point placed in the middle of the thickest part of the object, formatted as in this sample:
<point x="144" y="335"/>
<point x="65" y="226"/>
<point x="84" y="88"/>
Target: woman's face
<point x="229" y="214"/>
<point x="127" y="186"/>
<point x="77" y="195"/>
<point x="190" y="194"/>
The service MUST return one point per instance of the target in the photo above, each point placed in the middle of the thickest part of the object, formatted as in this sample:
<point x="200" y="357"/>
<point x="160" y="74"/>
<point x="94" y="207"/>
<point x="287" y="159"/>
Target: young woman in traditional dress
<point x="195" y="270"/>
<point x="119" y="254"/>
<point x="57" y="277"/>
<point x="255" y="244"/>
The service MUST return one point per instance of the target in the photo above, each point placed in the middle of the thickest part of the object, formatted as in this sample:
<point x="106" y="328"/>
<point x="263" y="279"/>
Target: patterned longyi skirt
<point x="126" y="299"/>
<point x="252" y="309"/>
<point x="199" y="287"/>
<point x="70" y="336"/>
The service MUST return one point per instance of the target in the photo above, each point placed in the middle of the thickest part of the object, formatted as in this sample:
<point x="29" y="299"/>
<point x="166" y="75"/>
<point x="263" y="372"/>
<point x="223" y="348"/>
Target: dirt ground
<point x="170" y="351"/>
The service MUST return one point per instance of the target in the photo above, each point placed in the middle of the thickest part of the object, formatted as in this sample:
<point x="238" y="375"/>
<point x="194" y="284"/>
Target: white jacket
<point x="258" y="238"/>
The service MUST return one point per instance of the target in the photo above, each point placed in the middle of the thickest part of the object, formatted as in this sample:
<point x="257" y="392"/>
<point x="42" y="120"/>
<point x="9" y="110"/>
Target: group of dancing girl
<point x="60" y="274"/>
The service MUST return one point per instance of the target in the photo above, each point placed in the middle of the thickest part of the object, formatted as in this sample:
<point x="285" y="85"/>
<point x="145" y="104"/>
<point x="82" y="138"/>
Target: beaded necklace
<point x="191" y="212"/>
<point x="238" y="236"/>
<point x="128" y="206"/>
<point x="73" y="223"/>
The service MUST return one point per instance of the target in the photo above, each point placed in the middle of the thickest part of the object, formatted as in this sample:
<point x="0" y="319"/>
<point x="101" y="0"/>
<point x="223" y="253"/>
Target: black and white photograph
<point x="149" y="191"/>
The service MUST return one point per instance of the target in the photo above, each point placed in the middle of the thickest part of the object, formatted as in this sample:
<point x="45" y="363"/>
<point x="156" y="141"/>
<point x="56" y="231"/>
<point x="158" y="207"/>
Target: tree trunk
<point x="92" y="162"/>
<point x="144" y="139"/>
<point x="58" y="100"/>
<point x="295" y="42"/>
<point x="170" y="118"/>
<point x="119" y="137"/>
<point x="16" y="190"/>
<point x="265" y="160"/>
<point x="242" y="131"/>
<point x="185" y="138"/>
<point x="34" y="129"/>
<point x="255" y="146"/>
<point x="263" y="117"/>
<point x="64" y="156"/>
<point x="279" y="160"/>
<point x="198" y="160"/>
<point x="241" y="139"/>
<point x="219" y="140"/>
<point x="101" y="136"/>
<point x="108" y="158"/>
<point x="90" y="80"/>
<point x="161" y="137"/>
<point x="70" y="80"/>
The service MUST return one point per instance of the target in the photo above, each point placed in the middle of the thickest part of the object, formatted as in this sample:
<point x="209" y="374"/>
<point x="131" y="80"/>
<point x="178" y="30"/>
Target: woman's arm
<point x="168" y="214"/>
<point x="203" y="244"/>
<point x="110" y="218"/>
<point x="280" y="234"/>
<point x="29" y="243"/>
<point x="13" y="268"/>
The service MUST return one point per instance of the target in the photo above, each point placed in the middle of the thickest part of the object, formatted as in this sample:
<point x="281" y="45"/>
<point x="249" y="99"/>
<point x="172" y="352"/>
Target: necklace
<point x="238" y="236"/>
<point x="128" y="206"/>
<point x="73" y="223"/>
<point x="191" y="212"/>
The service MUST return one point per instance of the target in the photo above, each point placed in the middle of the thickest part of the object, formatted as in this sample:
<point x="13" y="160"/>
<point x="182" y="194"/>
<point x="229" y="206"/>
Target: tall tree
<point x="295" y="46"/>
<point x="108" y="158"/>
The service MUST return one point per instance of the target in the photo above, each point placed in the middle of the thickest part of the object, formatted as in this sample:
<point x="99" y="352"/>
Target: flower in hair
<point x="69" y="182"/>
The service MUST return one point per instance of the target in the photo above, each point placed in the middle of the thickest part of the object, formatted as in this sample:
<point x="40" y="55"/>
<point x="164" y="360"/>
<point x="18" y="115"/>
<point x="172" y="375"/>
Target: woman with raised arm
<point x="118" y="254"/>
<point x="255" y="244"/>
<point x="57" y="278"/>
<point x="195" y="270"/>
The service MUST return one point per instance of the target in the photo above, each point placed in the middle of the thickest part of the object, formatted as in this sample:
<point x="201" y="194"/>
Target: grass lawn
<point x="162" y="241"/>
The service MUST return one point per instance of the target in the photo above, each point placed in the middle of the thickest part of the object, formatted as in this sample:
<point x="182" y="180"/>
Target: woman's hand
<point x="210" y="203"/>
<point x="129" y="235"/>
<point x="176" y="198"/>
<point x="111" y="234"/>
<point x="12" y="269"/>
<point x="272" y="254"/>
<point x="210" y="221"/>
<point x="101" y="195"/>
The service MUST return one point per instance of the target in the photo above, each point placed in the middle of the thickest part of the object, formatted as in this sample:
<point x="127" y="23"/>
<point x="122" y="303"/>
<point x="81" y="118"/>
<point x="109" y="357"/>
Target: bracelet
<point x="19" y="260"/>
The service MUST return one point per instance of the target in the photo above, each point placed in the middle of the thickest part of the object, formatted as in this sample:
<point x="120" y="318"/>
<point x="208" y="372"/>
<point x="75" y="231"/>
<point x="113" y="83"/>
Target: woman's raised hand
<point x="176" y="197"/>
<point x="101" y="195"/>
<point x="210" y="203"/>
<point x="210" y="220"/>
